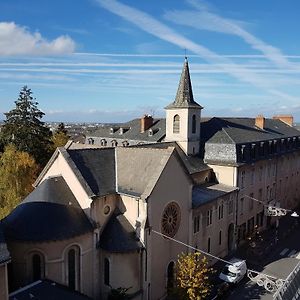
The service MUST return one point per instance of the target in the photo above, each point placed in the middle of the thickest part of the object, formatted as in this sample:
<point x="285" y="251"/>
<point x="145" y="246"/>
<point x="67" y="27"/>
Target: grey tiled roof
<point x="53" y="190"/>
<point x="193" y="164"/>
<point x="49" y="213"/>
<point x="119" y="236"/>
<point x="184" y="96"/>
<point x="138" y="169"/>
<point x="97" y="168"/>
<point x="45" y="221"/>
<point x="243" y="130"/>
<point x="132" y="131"/>
<point x="46" y="290"/>
<point x="204" y="194"/>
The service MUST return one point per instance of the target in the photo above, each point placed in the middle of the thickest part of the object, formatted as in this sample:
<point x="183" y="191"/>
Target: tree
<point x="23" y="128"/>
<point x="17" y="173"/>
<point x="192" y="276"/>
<point x="60" y="136"/>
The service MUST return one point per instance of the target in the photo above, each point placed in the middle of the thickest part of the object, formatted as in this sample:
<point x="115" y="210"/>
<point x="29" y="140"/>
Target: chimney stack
<point x="146" y="122"/>
<point x="288" y="119"/>
<point x="260" y="121"/>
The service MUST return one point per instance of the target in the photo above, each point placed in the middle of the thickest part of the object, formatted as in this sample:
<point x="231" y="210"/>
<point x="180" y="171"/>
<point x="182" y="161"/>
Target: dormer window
<point x="123" y="130"/>
<point x="243" y="152"/>
<point x="262" y="149"/>
<point x="252" y="151"/>
<point x="125" y="144"/>
<point x="103" y="142"/>
<point x="91" y="141"/>
<point x="111" y="130"/>
<point x="114" y="143"/>
<point x="150" y="132"/>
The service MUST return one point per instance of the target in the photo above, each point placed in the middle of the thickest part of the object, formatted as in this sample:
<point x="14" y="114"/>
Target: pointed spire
<point x="184" y="97"/>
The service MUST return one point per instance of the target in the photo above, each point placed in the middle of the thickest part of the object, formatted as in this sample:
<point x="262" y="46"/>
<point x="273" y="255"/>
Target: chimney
<point x="146" y="122"/>
<point x="260" y="121"/>
<point x="288" y="119"/>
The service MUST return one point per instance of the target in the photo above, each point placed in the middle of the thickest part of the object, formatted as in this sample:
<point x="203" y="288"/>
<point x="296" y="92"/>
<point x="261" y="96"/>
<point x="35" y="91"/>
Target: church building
<point x="100" y="214"/>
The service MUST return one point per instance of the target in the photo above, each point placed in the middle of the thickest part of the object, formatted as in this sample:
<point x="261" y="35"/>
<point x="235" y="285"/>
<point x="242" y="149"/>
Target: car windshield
<point x="227" y="272"/>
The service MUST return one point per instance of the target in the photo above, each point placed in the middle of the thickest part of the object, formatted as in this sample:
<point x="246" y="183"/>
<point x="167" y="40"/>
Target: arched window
<point x="170" y="276"/>
<point x="176" y="124"/>
<point x="91" y="141"/>
<point x="73" y="268"/>
<point x="38" y="266"/>
<point x="106" y="272"/>
<point x="114" y="143"/>
<point x="103" y="142"/>
<point x="194" y="124"/>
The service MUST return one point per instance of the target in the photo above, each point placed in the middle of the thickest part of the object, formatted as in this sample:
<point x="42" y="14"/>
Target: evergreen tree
<point x="23" y="128"/>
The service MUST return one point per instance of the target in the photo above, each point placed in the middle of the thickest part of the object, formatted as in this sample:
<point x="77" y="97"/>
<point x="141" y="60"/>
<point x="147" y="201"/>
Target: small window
<point x="91" y="141"/>
<point x="209" y="217"/>
<point x="230" y="207"/>
<point x="176" y="124"/>
<point x="194" y="124"/>
<point x="221" y="211"/>
<point x="208" y="245"/>
<point x="103" y="142"/>
<point x="150" y="132"/>
<point x="114" y="143"/>
<point x="106" y="272"/>
<point x="196" y="224"/>
<point x="241" y="206"/>
<point x="220" y="237"/>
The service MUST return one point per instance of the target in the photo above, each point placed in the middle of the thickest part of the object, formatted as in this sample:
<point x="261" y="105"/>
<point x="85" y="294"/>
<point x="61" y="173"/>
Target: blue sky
<point x="107" y="60"/>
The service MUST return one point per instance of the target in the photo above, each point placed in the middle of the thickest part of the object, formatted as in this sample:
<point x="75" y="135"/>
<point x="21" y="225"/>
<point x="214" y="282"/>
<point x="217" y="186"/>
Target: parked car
<point x="234" y="272"/>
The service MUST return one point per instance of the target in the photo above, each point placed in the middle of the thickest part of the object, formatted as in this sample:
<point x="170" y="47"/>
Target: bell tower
<point x="183" y="116"/>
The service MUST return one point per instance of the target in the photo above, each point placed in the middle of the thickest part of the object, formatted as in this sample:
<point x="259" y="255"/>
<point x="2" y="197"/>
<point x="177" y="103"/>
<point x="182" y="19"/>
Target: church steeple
<point x="183" y="116"/>
<point x="184" y="96"/>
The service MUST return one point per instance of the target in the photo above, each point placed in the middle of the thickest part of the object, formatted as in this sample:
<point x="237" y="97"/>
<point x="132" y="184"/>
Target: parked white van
<point x="234" y="272"/>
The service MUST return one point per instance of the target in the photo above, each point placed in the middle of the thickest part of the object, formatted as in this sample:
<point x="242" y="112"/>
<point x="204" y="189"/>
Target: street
<point x="279" y="263"/>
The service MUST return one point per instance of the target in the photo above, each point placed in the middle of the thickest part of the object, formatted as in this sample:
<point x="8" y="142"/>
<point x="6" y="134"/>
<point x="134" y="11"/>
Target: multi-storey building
<point x="99" y="216"/>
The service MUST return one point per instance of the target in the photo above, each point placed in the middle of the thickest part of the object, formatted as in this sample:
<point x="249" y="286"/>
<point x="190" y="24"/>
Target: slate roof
<point x="138" y="169"/>
<point x="49" y="213"/>
<point x="193" y="164"/>
<point x="133" y="131"/>
<point x="243" y="130"/>
<point x="204" y="194"/>
<point x="53" y="190"/>
<point x="96" y="167"/>
<point x="46" y="290"/>
<point x="119" y="236"/>
<point x="184" y="96"/>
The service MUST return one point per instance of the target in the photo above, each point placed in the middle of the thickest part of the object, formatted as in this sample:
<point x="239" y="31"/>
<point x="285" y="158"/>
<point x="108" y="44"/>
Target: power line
<point x="208" y="254"/>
